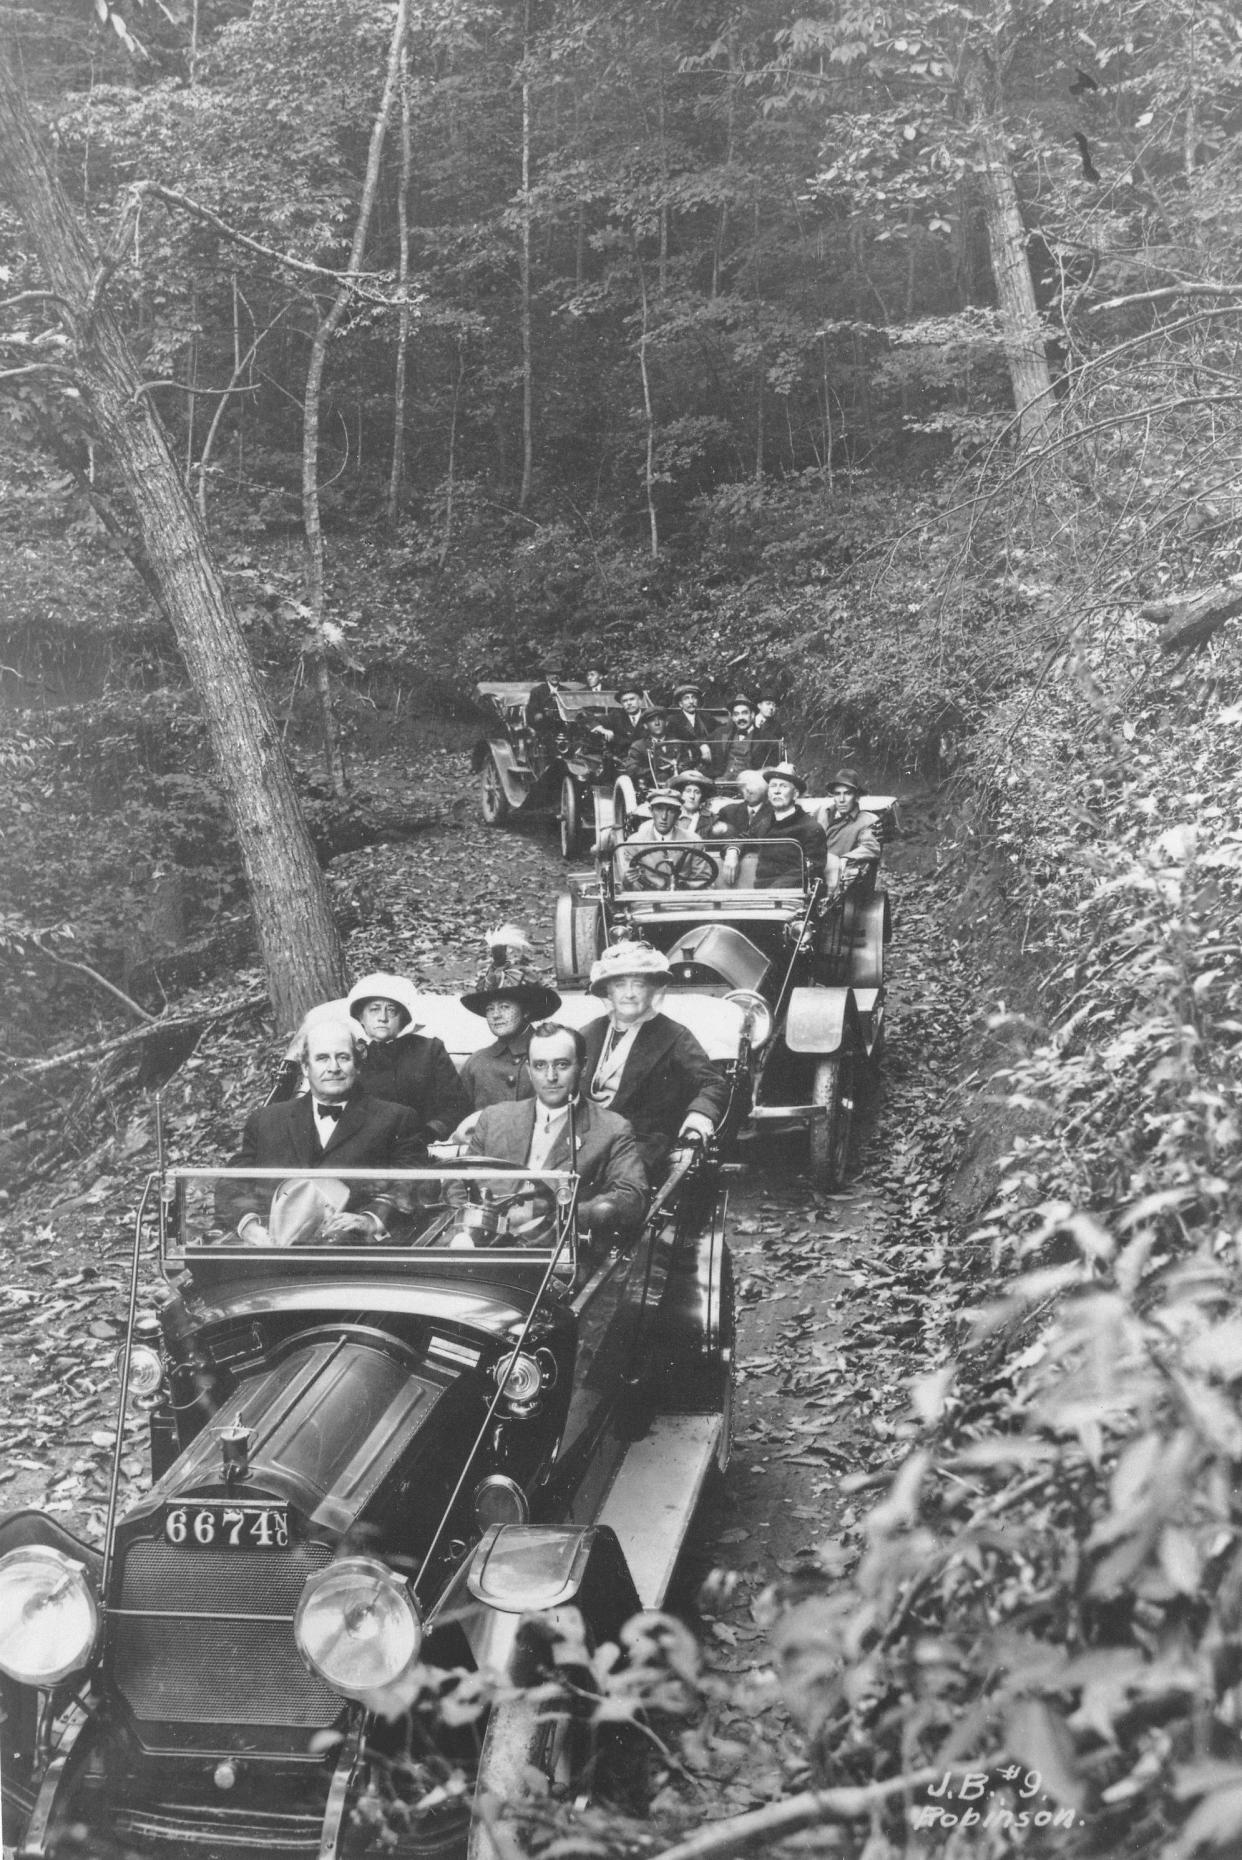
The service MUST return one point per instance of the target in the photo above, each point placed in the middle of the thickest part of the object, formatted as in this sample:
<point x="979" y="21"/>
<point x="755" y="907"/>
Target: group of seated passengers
<point x="659" y="742"/>
<point x="611" y="1102"/>
<point x="839" y="839"/>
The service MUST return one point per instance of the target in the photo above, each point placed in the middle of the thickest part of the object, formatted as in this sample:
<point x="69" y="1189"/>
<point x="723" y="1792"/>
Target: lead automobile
<point x="369" y="1464"/>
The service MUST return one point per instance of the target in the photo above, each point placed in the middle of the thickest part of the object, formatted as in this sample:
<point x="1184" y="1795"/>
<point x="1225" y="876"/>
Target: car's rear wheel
<point x="577" y="937"/>
<point x="833" y="1090"/>
<point x="571" y="830"/>
<point x="493" y="800"/>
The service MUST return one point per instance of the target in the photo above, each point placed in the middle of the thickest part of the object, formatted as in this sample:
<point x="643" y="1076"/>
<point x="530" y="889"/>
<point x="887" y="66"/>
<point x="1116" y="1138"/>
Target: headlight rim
<point x="373" y="1569"/>
<point x="749" y="1001"/>
<point x="72" y="1569"/>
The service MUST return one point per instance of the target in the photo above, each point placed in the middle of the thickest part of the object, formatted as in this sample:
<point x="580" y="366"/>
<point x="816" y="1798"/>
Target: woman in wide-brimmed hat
<point x="641" y="1063"/>
<point x="401" y="1064"/>
<point x="511" y="1000"/>
<point x="696" y="790"/>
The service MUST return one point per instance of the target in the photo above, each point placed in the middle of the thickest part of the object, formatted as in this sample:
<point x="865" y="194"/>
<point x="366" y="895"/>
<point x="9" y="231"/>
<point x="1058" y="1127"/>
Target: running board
<point x="654" y="1496"/>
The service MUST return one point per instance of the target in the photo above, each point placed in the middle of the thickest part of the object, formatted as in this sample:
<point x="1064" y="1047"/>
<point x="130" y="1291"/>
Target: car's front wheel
<point x="833" y="1090"/>
<point x="493" y="800"/>
<point x="570" y="825"/>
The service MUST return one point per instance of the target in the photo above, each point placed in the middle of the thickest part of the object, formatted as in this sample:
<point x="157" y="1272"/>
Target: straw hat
<point x="629" y="958"/>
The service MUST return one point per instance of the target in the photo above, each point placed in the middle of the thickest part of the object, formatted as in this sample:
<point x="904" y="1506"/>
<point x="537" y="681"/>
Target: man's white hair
<point x="752" y="784"/>
<point x="323" y="1020"/>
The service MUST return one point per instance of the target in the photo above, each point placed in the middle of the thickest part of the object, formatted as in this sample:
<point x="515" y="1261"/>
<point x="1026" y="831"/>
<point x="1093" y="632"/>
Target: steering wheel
<point x="657" y="868"/>
<point x="490" y="1225"/>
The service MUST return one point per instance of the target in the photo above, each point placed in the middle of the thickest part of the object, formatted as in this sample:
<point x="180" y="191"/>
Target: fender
<point x="822" y="1021"/>
<point x="515" y="784"/>
<point x="868" y="929"/>
<point x="521" y="1569"/>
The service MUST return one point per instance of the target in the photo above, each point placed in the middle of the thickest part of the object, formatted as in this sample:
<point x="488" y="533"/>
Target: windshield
<point x="460" y="1210"/>
<point x="574" y="703"/>
<point x="709" y="865"/>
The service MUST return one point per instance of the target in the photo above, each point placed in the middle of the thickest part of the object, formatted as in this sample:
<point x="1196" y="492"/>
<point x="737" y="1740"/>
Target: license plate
<point x="227" y="1527"/>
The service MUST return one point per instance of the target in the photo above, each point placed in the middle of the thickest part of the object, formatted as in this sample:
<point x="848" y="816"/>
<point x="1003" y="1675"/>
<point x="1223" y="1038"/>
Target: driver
<point x="653" y="759"/>
<point x="543" y="708"/>
<point x="559" y="1129"/>
<point x="334" y="1124"/>
<point x="643" y="1064"/>
<point x="666" y="821"/>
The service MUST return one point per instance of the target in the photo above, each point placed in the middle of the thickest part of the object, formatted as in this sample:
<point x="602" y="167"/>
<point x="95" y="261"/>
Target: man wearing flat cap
<point x="686" y="726"/>
<point x="653" y="760"/>
<point x="543" y="710"/>
<point x="510" y="999"/>
<point x="777" y="864"/>
<point x="852" y="837"/>
<point x="665" y="823"/>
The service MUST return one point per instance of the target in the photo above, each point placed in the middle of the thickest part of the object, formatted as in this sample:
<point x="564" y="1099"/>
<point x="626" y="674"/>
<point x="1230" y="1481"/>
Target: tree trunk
<point x="528" y="444"/>
<point x="1021" y="330"/>
<point x="312" y="521"/>
<point x="397" y="472"/>
<point x="297" y="935"/>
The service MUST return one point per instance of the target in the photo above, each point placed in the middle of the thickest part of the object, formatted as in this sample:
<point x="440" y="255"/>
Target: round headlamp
<point x="49" y="1618"/>
<point x="757" y="1014"/>
<point x="499" y="1500"/>
<point x="520" y="1378"/>
<point x="146" y="1372"/>
<point x="357" y="1627"/>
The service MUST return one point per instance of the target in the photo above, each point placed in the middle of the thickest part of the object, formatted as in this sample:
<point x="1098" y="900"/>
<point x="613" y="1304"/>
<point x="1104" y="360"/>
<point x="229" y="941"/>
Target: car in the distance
<point x="566" y="773"/>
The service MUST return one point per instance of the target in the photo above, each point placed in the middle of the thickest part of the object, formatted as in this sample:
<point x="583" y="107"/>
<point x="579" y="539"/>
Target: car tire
<point x="494" y="803"/>
<point x="568" y="818"/>
<point x="833" y="1088"/>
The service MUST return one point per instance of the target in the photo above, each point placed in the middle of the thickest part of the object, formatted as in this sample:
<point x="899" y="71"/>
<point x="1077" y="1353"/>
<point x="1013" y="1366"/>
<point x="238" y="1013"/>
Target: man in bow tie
<point x="334" y="1125"/>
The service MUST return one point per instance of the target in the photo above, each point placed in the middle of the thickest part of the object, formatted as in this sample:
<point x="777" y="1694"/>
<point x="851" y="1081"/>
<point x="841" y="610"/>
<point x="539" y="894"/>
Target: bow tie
<point x="330" y="1111"/>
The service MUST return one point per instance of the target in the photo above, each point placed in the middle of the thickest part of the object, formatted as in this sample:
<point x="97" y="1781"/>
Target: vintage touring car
<point x="748" y="919"/>
<point x="378" y="1473"/>
<point x="567" y="774"/>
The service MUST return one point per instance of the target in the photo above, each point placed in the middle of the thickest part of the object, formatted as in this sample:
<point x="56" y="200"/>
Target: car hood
<point x="328" y="1424"/>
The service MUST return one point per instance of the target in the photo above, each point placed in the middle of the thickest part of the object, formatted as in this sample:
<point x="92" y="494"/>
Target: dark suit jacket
<point x="775" y="867"/>
<point x="733" y="750"/>
<point x="735" y="819"/>
<point x="666" y="1076"/>
<point x="650" y="764"/>
<point x="370" y="1134"/>
<point x="694" y="738"/>
<point x="543" y="711"/>
<point x="608" y="1161"/>
<point x="415" y="1070"/>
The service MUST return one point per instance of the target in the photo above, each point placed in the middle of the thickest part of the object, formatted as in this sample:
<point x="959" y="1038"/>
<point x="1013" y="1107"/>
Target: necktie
<point x="330" y="1111"/>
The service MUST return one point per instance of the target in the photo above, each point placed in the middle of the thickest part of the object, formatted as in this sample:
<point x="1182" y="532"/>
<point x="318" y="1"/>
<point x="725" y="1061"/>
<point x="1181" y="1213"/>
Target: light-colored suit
<point x="607" y="1158"/>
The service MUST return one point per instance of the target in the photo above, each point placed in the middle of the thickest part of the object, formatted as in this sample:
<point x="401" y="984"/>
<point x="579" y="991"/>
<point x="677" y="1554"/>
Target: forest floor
<point x="845" y="1298"/>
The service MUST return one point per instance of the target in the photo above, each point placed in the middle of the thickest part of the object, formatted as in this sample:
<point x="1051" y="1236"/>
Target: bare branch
<point x="183" y="387"/>
<point x="85" y="969"/>
<point x="1167" y="291"/>
<point x="83" y="1055"/>
<point x="723" y="1839"/>
<point x="304" y="267"/>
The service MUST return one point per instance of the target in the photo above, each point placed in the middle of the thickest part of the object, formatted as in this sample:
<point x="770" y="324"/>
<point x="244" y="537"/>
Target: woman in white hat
<point x="644" y="1065"/>
<point x="401" y="1064"/>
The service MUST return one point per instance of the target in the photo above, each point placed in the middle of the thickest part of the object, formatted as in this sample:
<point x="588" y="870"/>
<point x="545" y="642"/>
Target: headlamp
<point x="146" y="1372"/>
<point x="357" y="1627"/>
<point x="756" y="1013"/>
<point x="49" y="1618"/>
<point x="520" y="1378"/>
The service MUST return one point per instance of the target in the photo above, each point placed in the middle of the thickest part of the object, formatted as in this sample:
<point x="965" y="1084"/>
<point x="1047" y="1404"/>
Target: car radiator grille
<point x="217" y="1672"/>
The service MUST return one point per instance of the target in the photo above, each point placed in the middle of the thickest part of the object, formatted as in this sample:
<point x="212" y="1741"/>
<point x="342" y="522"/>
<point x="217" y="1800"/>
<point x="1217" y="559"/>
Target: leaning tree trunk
<point x="297" y="935"/>
<point x="1021" y="328"/>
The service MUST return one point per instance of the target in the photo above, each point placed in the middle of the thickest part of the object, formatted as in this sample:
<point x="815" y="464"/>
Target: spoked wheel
<point x="493" y="801"/>
<point x="568" y="818"/>
<point x="577" y="937"/>
<point x="830" y="1135"/>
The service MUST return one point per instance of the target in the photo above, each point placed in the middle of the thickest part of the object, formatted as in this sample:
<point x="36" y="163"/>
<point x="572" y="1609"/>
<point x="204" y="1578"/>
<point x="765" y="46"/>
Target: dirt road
<point x="841" y="1296"/>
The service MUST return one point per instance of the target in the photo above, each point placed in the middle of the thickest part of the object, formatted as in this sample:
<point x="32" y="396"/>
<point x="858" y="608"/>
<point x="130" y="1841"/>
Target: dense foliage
<point x="706" y="361"/>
